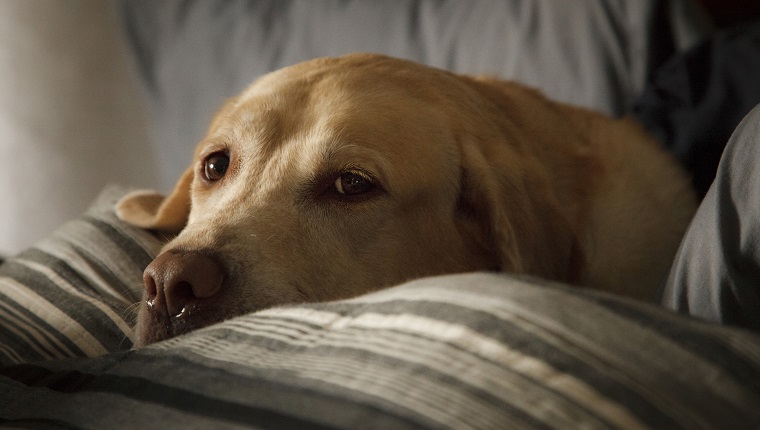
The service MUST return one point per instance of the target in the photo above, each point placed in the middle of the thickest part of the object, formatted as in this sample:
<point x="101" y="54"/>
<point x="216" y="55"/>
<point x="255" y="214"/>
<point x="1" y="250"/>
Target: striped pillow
<point x="462" y="351"/>
<point x="71" y="295"/>
<point x="459" y="351"/>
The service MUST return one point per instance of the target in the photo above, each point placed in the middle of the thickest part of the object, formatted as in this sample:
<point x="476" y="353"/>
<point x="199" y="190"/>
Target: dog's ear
<point x="150" y="210"/>
<point x="512" y="212"/>
<point x="515" y="182"/>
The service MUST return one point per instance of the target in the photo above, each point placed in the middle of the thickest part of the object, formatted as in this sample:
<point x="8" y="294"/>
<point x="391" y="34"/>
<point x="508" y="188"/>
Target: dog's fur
<point x="468" y="173"/>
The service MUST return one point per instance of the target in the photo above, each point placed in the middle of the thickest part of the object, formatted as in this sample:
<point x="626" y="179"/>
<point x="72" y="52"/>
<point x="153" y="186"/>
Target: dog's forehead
<point x="328" y="101"/>
<point x="357" y="74"/>
<point x="309" y="112"/>
<point x="358" y="91"/>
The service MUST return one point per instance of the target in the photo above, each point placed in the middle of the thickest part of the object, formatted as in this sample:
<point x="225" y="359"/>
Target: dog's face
<point x="323" y="181"/>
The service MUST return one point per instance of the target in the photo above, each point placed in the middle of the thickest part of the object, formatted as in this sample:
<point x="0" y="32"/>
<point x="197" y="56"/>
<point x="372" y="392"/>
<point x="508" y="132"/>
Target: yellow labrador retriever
<point x="339" y="176"/>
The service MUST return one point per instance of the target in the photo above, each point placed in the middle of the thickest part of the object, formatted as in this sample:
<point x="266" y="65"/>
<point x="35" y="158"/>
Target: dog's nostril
<point x="150" y="288"/>
<point x="178" y="295"/>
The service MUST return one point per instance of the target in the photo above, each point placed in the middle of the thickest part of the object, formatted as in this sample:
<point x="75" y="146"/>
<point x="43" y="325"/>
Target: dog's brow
<point x="340" y="156"/>
<point x="250" y="123"/>
<point x="268" y="128"/>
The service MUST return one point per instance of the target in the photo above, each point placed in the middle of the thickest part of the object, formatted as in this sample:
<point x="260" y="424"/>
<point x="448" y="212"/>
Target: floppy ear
<point x="521" y="155"/>
<point x="511" y="208"/>
<point x="150" y="210"/>
<point x="517" y="214"/>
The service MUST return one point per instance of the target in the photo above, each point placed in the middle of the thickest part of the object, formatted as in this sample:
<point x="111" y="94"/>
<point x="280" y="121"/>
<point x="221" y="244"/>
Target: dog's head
<point x="340" y="176"/>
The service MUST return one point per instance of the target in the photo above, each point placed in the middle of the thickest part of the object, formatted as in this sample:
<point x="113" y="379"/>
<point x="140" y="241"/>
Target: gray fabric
<point x="460" y="351"/>
<point x="194" y="54"/>
<point x="463" y="351"/>
<point x="71" y="294"/>
<point x="716" y="273"/>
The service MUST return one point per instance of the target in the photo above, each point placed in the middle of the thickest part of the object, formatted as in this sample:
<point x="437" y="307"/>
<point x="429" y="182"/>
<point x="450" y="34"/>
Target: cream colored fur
<point x="470" y="174"/>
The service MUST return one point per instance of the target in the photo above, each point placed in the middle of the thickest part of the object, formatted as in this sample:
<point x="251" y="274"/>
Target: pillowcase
<point x="459" y="351"/>
<point x="73" y="294"/>
<point x="480" y="350"/>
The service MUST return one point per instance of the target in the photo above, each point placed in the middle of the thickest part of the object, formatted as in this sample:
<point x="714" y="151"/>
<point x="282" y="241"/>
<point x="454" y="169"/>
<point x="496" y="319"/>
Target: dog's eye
<point x="352" y="183"/>
<point x="216" y="166"/>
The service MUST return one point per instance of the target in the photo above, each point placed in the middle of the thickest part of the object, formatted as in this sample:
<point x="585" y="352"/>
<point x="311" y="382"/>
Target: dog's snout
<point x="176" y="279"/>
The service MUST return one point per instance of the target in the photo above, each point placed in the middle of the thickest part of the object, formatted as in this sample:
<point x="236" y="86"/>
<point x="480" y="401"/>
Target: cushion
<point x="462" y="351"/>
<point x="72" y="294"/>
<point x="480" y="350"/>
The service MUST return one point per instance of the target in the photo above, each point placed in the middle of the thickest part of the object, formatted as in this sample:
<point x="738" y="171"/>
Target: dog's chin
<point x="153" y="326"/>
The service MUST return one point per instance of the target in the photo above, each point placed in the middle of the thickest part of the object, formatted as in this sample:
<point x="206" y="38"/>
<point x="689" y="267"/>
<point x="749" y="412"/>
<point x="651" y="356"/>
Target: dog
<point x="340" y="176"/>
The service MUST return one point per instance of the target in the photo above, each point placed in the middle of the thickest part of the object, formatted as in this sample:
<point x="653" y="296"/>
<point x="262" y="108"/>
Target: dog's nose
<point x="175" y="279"/>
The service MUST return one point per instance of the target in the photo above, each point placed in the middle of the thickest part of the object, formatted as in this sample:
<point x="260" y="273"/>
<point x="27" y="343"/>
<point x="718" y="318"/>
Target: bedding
<point x="716" y="270"/>
<point x="463" y="351"/>
<point x="70" y="294"/>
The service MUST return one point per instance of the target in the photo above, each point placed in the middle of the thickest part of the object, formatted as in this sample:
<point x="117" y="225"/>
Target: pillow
<point x="192" y="55"/>
<point x="72" y="294"/>
<point x="460" y="351"/>
<point x="469" y="350"/>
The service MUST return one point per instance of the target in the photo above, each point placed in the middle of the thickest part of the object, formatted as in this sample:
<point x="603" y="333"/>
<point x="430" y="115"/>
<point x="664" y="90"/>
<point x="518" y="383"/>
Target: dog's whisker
<point x="129" y="292"/>
<point x="130" y="313"/>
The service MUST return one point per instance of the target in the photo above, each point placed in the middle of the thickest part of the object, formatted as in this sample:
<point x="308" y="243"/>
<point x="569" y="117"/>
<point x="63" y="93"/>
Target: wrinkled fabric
<point x="716" y="273"/>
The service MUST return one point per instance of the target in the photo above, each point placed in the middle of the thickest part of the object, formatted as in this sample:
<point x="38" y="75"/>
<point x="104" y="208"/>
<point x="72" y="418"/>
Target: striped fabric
<point x="71" y="294"/>
<point x="460" y="351"/>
